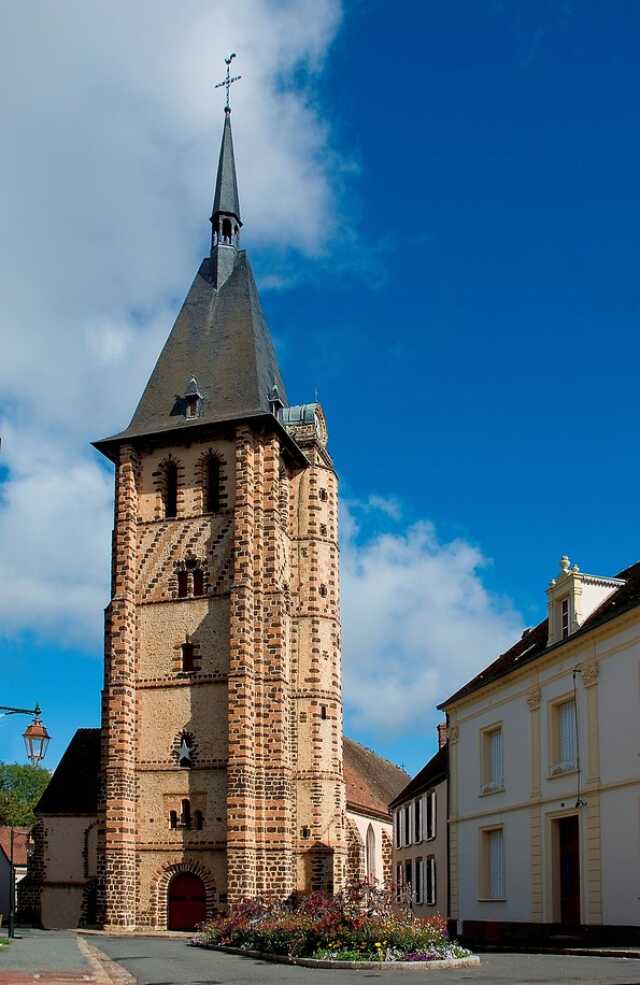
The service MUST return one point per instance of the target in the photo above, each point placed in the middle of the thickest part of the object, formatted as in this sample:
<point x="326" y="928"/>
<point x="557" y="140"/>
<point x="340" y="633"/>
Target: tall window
<point x="564" y="734"/>
<point x="493" y="862"/>
<point x="187" y="657"/>
<point x="493" y="768"/>
<point x="371" y="853"/>
<point x="212" y="482"/>
<point x="183" y="584"/>
<point x="170" y="489"/>
<point x="431" y="815"/>
<point x="198" y="582"/>
<point x="430" y="880"/>
<point x="397" y="826"/>
<point x="564" y="618"/>
<point x="418" y="867"/>
<point x="417" y="820"/>
<point x="198" y="820"/>
<point x="406" y="827"/>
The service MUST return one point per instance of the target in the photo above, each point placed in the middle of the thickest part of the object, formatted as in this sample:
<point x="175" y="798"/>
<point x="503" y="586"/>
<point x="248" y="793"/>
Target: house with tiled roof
<point x="544" y="774"/>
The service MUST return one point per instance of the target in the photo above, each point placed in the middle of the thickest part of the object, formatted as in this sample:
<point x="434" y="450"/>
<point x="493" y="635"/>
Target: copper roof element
<point x="533" y="642"/>
<point x="372" y="782"/>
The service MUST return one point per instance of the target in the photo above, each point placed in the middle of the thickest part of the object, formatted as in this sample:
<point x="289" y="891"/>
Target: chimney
<point x="442" y="734"/>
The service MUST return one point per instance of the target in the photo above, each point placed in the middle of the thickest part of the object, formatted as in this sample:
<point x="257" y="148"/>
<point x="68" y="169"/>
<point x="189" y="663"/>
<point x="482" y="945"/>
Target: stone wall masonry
<point x="262" y="708"/>
<point x="117" y="888"/>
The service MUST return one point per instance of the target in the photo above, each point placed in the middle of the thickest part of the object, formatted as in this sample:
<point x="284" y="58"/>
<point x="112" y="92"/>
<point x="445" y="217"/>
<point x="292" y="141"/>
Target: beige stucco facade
<point x="420" y="850"/>
<point x="597" y="784"/>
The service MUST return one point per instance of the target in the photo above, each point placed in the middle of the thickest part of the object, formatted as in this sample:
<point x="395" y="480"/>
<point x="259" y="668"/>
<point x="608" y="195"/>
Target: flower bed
<point x="360" y="924"/>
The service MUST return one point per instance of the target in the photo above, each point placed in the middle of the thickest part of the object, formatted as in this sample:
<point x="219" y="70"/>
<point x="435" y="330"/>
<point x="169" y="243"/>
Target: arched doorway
<point x="187" y="902"/>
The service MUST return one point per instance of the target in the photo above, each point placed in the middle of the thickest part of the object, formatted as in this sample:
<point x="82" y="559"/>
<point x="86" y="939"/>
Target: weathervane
<point x="228" y="81"/>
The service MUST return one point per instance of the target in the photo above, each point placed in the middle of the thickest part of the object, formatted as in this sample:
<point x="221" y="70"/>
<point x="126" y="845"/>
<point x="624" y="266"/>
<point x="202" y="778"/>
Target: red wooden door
<point x="569" y="871"/>
<point x="187" y="902"/>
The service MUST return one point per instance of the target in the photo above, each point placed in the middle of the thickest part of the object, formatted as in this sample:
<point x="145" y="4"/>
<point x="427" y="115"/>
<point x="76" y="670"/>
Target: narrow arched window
<point x="173" y="819"/>
<point x="198" y="582"/>
<point x="183" y="584"/>
<point x="185" y="816"/>
<point x="187" y="657"/>
<point x="371" y="853"/>
<point x="226" y="230"/>
<point x="198" y="820"/>
<point x="170" y="490"/>
<point x="212" y="482"/>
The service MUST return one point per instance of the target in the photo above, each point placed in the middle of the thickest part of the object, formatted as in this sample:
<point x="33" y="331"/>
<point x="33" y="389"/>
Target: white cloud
<point x="417" y="623"/>
<point x="111" y="131"/>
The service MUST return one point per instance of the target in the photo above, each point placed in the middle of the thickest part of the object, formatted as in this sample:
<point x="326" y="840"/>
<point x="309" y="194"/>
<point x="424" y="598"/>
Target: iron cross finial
<point x="227" y="82"/>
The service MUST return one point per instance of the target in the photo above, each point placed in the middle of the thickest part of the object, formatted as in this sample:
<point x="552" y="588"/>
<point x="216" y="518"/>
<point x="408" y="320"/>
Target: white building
<point x="544" y="773"/>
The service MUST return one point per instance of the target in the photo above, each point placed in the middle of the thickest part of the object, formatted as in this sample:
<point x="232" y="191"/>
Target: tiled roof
<point x="73" y="788"/>
<point x="372" y="782"/>
<point x="533" y="643"/>
<point x="435" y="771"/>
<point x="20" y="836"/>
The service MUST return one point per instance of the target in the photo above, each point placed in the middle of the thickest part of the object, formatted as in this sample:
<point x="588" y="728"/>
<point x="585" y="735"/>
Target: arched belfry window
<point x="371" y="853"/>
<point x="170" y="489"/>
<point x="212" y="485"/>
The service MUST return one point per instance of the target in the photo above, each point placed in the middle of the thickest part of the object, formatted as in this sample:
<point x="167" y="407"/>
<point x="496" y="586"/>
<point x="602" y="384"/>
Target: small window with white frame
<point x="492" y="760"/>
<point x="406" y="826"/>
<point x="563" y="737"/>
<point x="492" y="881"/>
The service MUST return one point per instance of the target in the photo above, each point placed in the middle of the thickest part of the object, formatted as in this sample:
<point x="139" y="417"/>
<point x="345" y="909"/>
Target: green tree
<point x="20" y="790"/>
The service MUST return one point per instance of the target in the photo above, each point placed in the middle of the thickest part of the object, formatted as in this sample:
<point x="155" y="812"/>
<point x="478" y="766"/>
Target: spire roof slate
<point x="220" y="337"/>
<point x="219" y="352"/>
<point x="226" y="198"/>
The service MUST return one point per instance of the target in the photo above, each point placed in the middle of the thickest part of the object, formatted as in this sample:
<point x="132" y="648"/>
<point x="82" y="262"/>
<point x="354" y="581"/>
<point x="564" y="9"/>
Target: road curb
<point x="106" y="971"/>
<point x="447" y="964"/>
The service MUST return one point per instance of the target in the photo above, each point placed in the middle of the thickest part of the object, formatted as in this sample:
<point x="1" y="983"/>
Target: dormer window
<point x="192" y="399"/>
<point x="572" y="596"/>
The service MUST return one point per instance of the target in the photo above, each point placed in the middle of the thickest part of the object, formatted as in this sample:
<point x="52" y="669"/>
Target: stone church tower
<point x="221" y="712"/>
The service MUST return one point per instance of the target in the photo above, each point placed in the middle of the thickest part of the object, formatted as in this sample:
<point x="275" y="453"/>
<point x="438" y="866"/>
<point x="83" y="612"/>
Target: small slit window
<point x="185" y="816"/>
<point x="212" y="482"/>
<point x="187" y="657"/>
<point x="323" y="712"/>
<point x="170" y="490"/>
<point x="198" y="582"/>
<point x="183" y="584"/>
<point x="173" y="819"/>
<point x="198" y="820"/>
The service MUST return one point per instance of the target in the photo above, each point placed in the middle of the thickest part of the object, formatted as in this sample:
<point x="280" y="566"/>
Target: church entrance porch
<point x="187" y="903"/>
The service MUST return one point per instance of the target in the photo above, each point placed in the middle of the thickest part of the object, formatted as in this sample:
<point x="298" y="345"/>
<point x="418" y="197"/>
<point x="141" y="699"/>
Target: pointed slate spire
<point x="226" y="201"/>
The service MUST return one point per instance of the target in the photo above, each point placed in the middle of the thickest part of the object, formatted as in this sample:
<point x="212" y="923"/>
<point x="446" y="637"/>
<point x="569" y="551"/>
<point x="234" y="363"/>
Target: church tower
<point x="221" y="713"/>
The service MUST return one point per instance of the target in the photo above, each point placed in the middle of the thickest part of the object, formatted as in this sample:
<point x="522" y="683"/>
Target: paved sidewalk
<point x="57" y="957"/>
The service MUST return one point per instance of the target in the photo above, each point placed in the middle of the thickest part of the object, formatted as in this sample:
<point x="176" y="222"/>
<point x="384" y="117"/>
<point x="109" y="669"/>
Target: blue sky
<point x="448" y="247"/>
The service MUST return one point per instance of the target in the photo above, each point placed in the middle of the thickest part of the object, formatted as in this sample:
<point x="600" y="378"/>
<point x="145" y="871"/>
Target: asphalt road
<point x="162" y="961"/>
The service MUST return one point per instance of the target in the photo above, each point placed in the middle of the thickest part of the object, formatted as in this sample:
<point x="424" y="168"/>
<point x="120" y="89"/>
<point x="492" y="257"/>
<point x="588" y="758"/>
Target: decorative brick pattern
<point x="262" y="707"/>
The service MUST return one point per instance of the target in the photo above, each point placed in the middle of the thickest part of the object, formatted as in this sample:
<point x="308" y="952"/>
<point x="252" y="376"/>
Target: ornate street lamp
<point x="36" y="738"/>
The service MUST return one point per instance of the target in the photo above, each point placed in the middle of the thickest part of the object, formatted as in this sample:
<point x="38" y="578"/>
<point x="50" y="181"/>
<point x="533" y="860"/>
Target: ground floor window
<point x="492" y="864"/>
<point x="430" y="880"/>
